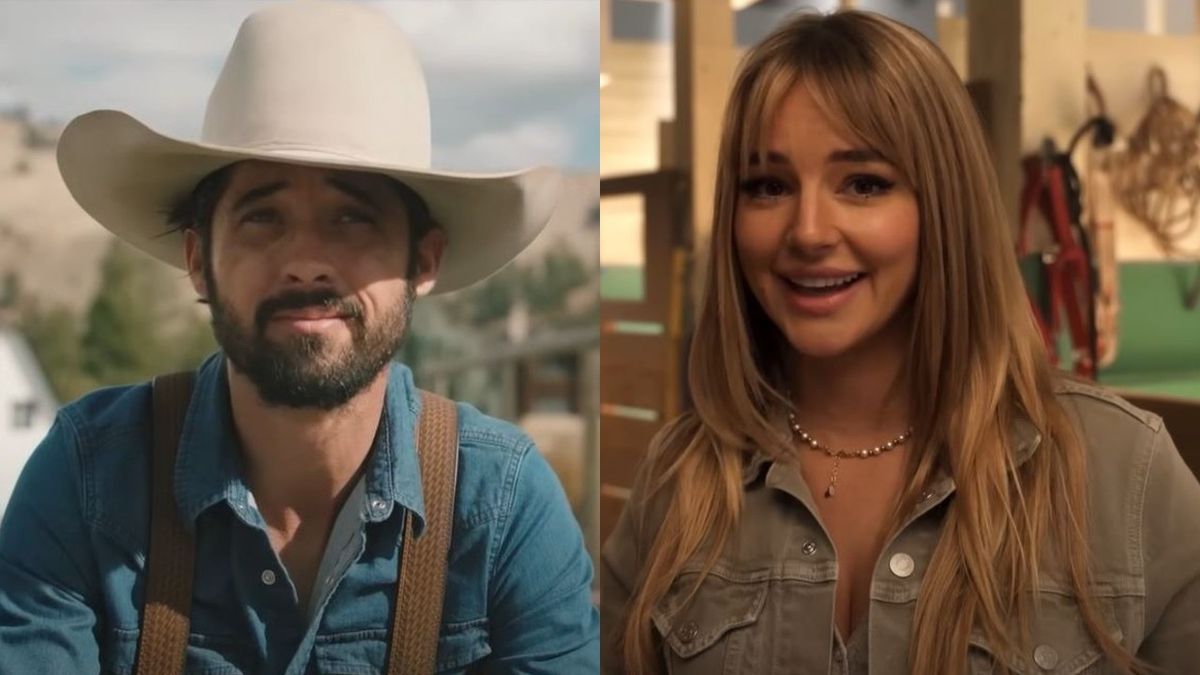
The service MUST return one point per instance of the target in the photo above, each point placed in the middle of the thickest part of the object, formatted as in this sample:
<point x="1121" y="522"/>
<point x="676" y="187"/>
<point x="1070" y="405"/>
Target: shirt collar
<point x="393" y="472"/>
<point x="208" y="466"/>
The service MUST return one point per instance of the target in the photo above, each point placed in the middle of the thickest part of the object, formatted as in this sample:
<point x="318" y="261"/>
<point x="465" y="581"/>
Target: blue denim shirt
<point x="73" y="550"/>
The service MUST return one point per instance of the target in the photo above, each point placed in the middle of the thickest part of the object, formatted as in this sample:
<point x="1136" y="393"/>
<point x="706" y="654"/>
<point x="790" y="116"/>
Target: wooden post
<point x="704" y="62"/>
<point x="1156" y="16"/>
<point x="1029" y="58"/>
<point x="588" y="374"/>
<point x="512" y="404"/>
<point x="605" y="39"/>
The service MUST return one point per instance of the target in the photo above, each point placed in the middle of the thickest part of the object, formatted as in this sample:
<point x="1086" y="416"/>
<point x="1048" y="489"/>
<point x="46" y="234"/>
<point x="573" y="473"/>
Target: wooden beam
<point x="1156" y="16"/>
<point x="1030" y="58"/>
<point x="704" y="62"/>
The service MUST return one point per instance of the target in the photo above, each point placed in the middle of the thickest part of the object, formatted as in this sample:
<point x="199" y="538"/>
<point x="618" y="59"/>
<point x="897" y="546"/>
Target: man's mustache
<point x="314" y="299"/>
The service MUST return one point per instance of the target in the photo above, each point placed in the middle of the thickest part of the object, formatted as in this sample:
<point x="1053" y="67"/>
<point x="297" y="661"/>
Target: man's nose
<point x="307" y="259"/>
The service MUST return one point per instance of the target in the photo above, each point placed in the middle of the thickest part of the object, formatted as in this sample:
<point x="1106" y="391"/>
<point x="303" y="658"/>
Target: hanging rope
<point x="1099" y="223"/>
<point x="1157" y="178"/>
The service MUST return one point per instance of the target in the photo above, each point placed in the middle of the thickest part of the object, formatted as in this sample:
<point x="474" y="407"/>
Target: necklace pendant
<point x="830" y="491"/>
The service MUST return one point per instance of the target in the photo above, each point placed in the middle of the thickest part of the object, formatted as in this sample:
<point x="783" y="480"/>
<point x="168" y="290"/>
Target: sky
<point x="512" y="83"/>
<point x="641" y="20"/>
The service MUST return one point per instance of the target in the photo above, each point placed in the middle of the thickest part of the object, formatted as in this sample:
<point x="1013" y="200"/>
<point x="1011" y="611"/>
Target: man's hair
<point x="194" y="211"/>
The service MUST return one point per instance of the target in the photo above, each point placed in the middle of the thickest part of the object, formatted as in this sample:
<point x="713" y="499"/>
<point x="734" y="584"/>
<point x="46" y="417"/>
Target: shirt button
<point x="902" y="565"/>
<point x="688" y="632"/>
<point x="1045" y="657"/>
<point x="378" y="505"/>
<point x="268" y="577"/>
<point x="809" y="548"/>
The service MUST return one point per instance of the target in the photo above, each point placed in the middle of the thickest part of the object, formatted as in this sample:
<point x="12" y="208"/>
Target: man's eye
<point x="356" y="217"/>
<point x="261" y="217"/>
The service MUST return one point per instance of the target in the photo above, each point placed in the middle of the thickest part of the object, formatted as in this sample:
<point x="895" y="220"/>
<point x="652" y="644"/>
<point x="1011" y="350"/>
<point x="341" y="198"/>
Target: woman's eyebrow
<point x="855" y="155"/>
<point x="850" y="155"/>
<point x="772" y="158"/>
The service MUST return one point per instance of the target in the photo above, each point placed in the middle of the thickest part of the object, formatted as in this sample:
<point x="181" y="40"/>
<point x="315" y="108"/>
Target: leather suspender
<point x="421" y="582"/>
<point x="170" y="560"/>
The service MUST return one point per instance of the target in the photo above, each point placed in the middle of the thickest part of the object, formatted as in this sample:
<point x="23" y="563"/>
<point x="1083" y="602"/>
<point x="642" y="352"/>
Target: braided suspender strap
<point x="422" y="577"/>
<point x="162" y="643"/>
<point x="421" y="583"/>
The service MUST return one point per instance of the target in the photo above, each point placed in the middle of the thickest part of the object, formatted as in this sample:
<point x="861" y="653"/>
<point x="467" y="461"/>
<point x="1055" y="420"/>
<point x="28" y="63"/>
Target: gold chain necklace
<point x="838" y="455"/>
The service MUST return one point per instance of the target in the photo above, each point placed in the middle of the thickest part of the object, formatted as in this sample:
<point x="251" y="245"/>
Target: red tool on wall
<point x="1052" y="188"/>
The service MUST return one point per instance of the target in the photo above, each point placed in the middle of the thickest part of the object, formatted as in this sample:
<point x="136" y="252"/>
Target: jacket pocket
<point x="1059" y="642"/>
<point x="710" y="632"/>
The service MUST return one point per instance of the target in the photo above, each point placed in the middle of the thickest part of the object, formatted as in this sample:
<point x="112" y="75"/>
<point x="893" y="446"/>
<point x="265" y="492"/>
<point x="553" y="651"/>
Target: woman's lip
<point x="819" y="305"/>
<point x="820" y="273"/>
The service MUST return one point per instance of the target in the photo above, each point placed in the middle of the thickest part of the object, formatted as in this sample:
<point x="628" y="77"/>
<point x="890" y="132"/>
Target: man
<point x="308" y="218"/>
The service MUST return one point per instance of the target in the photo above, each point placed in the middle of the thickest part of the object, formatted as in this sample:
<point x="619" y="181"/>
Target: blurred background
<point x="1090" y="107"/>
<point x="78" y="310"/>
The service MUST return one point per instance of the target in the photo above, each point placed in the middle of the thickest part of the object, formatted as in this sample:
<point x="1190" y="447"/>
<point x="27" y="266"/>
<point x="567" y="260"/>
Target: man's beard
<point x="308" y="370"/>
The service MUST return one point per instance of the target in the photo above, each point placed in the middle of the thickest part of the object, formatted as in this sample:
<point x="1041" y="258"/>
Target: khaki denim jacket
<point x="767" y="606"/>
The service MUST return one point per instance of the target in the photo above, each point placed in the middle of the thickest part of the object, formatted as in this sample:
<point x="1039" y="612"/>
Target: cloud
<point x="534" y="142"/>
<point x="494" y="67"/>
<point x="8" y="98"/>
<point x="534" y="39"/>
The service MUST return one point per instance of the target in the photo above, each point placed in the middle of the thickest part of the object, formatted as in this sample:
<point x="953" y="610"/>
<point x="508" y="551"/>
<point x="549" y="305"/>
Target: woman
<point x="880" y="465"/>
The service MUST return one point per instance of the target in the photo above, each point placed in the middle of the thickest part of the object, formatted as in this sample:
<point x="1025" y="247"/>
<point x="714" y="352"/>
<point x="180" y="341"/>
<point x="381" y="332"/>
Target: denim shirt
<point x="74" y="537"/>
<point x="766" y="607"/>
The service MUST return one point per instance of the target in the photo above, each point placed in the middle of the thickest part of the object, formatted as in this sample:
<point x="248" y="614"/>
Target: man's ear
<point x="193" y="250"/>
<point x="428" y="254"/>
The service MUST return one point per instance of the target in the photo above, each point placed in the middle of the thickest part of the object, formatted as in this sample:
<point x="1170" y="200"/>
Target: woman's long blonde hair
<point x="976" y="359"/>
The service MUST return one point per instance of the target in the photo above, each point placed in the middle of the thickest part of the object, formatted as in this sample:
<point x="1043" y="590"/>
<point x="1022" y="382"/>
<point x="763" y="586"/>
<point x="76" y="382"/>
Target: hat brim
<point x="127" y="177"/>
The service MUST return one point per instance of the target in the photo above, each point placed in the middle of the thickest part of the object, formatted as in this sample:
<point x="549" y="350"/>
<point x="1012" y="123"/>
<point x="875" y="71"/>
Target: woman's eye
<point x="765" y="188"/>
<point x="864" y="187"/>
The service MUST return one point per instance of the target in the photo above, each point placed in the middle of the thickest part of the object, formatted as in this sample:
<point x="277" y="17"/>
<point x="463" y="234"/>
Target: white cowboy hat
<point x="324" y="84"/>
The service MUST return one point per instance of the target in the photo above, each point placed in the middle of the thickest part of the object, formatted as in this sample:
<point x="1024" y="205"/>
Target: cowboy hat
<point x="323" y="84"/>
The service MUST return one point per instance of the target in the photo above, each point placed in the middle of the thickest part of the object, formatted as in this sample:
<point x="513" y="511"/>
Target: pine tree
<point x="121" y="340"/>
<point x="10" y="291"/>
<point x="53" y="335"/>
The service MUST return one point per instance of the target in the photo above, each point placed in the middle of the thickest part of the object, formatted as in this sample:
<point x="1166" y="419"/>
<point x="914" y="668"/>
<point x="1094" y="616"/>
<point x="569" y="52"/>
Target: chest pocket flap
<point x="690" y="626"/>
<point x="1059" y="641"/>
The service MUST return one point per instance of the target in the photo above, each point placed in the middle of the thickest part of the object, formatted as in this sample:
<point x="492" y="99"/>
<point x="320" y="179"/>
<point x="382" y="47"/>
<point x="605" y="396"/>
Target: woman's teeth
<point x="826" y="283"/>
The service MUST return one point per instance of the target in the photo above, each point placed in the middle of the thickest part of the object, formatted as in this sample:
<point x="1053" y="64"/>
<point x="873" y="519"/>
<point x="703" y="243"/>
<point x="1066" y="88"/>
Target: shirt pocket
<point x="461" y="646"/>
<point x="206" y="654"/>
<point x="712" y="631"/>
<point x="1059" y="642"/>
